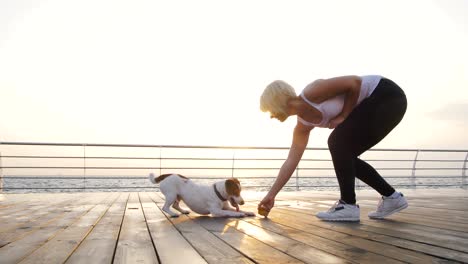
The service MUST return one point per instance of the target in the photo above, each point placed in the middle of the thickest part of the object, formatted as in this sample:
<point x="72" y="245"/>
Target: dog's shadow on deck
<point x="257" y="227"/>
<point x="220" y="225"/>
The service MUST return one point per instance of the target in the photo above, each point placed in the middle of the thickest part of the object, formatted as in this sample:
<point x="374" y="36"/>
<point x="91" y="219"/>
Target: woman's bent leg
<point x="367" y="125"/>
<point x="371" y="177"/>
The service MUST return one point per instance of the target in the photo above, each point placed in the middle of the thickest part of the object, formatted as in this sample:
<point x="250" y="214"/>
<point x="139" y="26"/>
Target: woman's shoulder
<point x="314" y="83"/>
<point x="311" y="86"/>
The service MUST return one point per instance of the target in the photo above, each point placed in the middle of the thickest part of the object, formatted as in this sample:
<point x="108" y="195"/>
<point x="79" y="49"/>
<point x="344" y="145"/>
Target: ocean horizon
<point x="33" y="184"/>
<point x="61" y="167"/>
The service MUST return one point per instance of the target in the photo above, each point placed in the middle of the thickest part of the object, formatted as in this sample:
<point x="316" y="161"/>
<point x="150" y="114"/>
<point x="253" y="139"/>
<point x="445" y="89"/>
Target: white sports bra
<point x="333" y="106"/>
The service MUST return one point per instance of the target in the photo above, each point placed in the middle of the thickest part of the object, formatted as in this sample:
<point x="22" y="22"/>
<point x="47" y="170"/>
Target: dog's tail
<point x="155" y="180"/>
<point x="152" y="178"/>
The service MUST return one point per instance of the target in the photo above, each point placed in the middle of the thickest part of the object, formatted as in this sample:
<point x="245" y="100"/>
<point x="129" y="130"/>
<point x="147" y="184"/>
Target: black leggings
<point x="366" y="125"/>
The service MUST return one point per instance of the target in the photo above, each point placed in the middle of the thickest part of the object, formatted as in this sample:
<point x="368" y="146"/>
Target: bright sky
<point x="191" y="72"/>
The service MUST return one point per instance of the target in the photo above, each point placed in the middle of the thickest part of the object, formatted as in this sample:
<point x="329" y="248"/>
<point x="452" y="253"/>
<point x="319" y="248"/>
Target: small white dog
<point x="201" y="199"/>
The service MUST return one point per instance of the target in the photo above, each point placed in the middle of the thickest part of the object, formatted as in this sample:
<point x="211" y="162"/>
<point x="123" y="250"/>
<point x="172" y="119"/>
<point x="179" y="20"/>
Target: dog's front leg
<point x="246" y="213"/>
<point x="217" y="212"/>
<point x="230" y="208"/>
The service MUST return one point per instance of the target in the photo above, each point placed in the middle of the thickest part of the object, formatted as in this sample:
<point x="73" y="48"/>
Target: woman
<point x="362" y="110"/>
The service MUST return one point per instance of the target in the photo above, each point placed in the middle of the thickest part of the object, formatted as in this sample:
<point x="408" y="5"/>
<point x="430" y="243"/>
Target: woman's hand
<point x="336" y="121"/>
<point x="267" y="203"/>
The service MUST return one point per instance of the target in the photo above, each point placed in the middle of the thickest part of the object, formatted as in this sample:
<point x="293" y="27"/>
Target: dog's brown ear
<point x="235" y="180"/>
<point x="233" y="186"/>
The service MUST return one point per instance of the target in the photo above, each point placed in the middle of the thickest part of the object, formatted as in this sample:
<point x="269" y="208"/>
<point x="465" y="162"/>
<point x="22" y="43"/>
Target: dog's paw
<point x="239" y="214"/>
<point x="171" y="214"/>
<point x="249" y="213"/>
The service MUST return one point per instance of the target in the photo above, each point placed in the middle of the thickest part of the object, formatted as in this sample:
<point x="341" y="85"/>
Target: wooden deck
<point x="131" y="228"/>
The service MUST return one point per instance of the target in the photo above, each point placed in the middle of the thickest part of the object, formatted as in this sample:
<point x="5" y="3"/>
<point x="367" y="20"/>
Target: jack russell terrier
<point x="202" y="199"/>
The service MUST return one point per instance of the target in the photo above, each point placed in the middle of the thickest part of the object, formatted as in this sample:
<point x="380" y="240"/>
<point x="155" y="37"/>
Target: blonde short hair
<point x="275" y="98"/>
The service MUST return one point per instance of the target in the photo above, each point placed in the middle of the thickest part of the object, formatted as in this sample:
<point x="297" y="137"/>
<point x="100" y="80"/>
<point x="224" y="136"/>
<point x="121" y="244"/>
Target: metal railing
<point x="33" y="166"/>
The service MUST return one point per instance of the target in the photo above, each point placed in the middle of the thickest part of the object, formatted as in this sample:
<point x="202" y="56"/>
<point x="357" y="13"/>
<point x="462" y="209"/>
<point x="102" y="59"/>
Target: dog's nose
<point x="241" y="202"/>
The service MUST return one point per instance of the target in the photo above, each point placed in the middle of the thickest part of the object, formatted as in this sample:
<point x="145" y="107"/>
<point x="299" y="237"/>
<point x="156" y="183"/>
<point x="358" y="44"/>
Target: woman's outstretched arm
<point x="299" y="144"/>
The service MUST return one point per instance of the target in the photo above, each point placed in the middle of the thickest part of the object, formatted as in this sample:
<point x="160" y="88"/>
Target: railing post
<point x="463" y="172"/>
<point x="413" y="173"/>
<point x="1" y="173"/>
<point x="84" y="167"/>
<point x="233" y="160"/>
<point x="160" y="160"/>
<point x="297" y="178"/>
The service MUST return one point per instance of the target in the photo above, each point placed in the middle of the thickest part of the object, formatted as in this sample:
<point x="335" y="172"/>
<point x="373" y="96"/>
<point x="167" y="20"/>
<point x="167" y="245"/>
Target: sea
<point x="14" y="184"/>
<point x="102" y="168"/>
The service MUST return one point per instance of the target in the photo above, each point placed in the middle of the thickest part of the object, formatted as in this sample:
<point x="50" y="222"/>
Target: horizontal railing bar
<point x="194" y="168"/>
<point x="136" y="177"/>
<point x="201" y="147"/>
<point x="207" y="178"/>
<point x="389" y="177"/>
<point x="243" y="167"/>
<point x="81" y="188"/>
<point x="78" y="157"/>
<point x="419" y="160"/>
<point x="246" y="186"/>
<point x="398" y="185"/>
<point x="117" y="187"/>
<point x="146" y="168"/>
<point x="208" y="159"/>
<point x="153" y="158"/>
<point x="429" y="185"/>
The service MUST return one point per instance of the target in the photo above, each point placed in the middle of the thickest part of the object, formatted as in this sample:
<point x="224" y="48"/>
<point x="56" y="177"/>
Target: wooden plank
<point x="253" y="248"/>
<point x="417" y="235"/>
<point x="59" y="248"/>
<point x="135" y="244"/>
<point x="210" y="247"/>
<point x="21" y="248"/>
<point x="38" y="202"/>
<point x="424" y="233"/>
<point x="12" y="231"/>
<point x="333" y="232"/>
<point x="444" y="203"/>
<point x="415" y="211"/>
<point x="27" y="216"/>
<point x="165" y="236"/>
<point x="411" y="225"/>
<point x="402" y="248"/>
<point x="438" y="199"/>
<point x="346" y="251"/>
<point x="99" y="245"/>
<point x="279" y="241"/>
<point x="433" y="213"/>
<point x="415" y="208"/>
<point x="13" y="199"/>
<point x="407" y="216"/>
<point x="271" y="246"/>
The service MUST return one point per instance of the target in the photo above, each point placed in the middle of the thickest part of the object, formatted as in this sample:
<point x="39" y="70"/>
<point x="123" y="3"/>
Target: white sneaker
<point x="340" y="212"/>
<point x="388" y="206"/>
